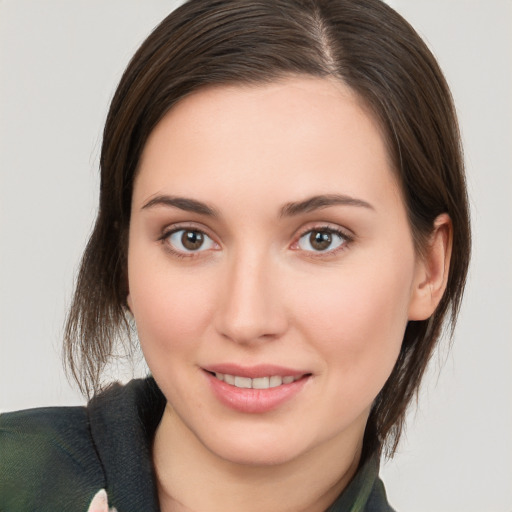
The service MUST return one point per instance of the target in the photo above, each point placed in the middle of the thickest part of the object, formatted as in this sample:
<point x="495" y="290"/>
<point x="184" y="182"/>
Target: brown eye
<point x="321" y="240"/>
<point x="190" y="240"/>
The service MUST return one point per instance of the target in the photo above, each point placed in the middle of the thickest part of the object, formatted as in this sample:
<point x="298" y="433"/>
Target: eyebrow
<point x="288" y="210"/>
<point x="183" y="203"/>
<point x="322" y="201"/>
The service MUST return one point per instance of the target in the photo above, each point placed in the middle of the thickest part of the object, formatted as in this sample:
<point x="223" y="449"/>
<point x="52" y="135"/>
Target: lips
<point x="255" y="389"/>
<point x="255" y="371"/>
<point x="271" y="381"/>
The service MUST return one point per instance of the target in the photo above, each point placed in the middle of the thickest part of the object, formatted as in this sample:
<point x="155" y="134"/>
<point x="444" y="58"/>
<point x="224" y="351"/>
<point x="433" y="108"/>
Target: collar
<point x="123" y="421"/>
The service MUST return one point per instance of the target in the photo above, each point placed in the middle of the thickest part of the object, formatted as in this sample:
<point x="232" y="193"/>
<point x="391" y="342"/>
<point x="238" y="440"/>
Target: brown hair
<point x="363" y="43"/>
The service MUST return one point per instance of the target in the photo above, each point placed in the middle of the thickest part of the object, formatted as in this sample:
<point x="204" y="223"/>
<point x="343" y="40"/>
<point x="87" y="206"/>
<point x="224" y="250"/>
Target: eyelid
<point x="344" y="233"/>
<point x="168" y="230"/>
<point x="192" y="226"/>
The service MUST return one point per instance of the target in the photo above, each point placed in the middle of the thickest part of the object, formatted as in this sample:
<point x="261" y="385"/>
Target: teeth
<point x="243" y="382"/>
<point x="260" y="383"/>
<point x="275" y="381"/>
<point x="229" y="379"/>
<point x="257" y="383"/>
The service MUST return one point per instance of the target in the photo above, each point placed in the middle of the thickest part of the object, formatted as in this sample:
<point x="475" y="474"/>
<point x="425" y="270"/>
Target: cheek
<point x="171" y="308"/>
<point x="357" y="318"/>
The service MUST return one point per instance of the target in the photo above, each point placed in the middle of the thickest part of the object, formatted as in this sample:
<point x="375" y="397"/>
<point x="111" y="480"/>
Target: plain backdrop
<point x="60" y="61"/>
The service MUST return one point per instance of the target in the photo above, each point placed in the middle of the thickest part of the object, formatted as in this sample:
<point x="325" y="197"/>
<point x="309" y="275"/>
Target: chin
<point x="261" y="449"/>
<point x="256" y="456"/>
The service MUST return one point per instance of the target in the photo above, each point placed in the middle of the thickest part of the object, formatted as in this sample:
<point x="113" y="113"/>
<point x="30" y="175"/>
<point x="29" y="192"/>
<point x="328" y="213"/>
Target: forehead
<point x="298" y="136"/>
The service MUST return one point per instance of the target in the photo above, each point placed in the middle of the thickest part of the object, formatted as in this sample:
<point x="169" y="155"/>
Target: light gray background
<point x="59" y="64"/>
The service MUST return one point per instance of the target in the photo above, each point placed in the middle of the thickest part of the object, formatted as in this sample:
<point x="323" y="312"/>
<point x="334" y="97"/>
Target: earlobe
<point x="432" y="270"/>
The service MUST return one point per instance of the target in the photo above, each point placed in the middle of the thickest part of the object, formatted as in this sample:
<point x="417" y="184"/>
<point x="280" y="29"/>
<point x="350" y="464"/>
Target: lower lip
<point x="255" y="401"/>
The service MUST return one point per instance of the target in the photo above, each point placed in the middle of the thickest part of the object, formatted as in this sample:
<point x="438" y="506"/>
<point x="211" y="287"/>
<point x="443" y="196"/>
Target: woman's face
<point x="271" y="267"/>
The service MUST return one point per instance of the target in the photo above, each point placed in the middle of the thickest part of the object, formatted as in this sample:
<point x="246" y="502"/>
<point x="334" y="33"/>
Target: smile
<point x="255" y="390"/>
<point x="256" y="383"/>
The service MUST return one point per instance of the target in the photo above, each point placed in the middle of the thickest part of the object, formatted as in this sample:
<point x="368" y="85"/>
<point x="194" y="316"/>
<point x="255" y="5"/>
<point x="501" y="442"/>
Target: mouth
<point x="267" y="382"/>
<point x="256" y="389"/>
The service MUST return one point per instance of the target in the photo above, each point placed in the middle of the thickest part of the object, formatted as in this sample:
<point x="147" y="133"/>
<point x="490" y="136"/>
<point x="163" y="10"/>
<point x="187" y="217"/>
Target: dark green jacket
<point x="57" y="459"/>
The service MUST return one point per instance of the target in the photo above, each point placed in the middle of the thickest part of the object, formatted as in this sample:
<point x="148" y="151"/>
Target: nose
<point x="251" y="309"/>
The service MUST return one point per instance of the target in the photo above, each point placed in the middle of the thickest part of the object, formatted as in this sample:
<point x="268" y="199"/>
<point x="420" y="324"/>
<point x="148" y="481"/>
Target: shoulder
<point x="47" y="460"/>
<point x="61" y="458"/>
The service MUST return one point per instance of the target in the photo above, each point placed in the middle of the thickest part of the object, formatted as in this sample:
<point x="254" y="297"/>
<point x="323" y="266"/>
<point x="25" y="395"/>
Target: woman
<point x="283" y="218"/>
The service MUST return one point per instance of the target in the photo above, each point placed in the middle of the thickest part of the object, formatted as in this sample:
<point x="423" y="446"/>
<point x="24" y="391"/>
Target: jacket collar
<point x="123" y="421"/>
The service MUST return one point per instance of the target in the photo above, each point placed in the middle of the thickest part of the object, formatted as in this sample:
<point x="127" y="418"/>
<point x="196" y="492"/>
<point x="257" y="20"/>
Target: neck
<point x="191" y="478"/>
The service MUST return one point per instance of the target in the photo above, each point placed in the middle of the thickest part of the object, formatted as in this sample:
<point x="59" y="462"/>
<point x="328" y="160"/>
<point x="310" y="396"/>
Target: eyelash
<point x="347" y="240"/>
<point x="175" y="229"/>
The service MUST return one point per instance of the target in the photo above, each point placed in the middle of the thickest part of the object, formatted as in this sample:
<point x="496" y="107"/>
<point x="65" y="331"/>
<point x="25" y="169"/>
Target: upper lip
<point x="254" y="372"/>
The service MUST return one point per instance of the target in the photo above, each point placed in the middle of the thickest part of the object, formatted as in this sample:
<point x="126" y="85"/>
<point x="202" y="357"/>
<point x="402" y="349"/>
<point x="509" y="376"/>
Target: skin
<point x="256" y="292"/>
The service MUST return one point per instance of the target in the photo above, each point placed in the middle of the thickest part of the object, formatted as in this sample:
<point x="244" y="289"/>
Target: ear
<point x="126" y="287"/>
<point x="432" y="268"/>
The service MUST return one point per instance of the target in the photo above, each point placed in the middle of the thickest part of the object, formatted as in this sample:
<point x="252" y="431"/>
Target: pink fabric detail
<point x="100" y="503"/>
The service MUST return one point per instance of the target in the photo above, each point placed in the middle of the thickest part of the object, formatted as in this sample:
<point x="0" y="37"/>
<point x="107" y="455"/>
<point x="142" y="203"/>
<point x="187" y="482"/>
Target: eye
<point x="189" y="241"/>
<point x="321" y="240"/>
